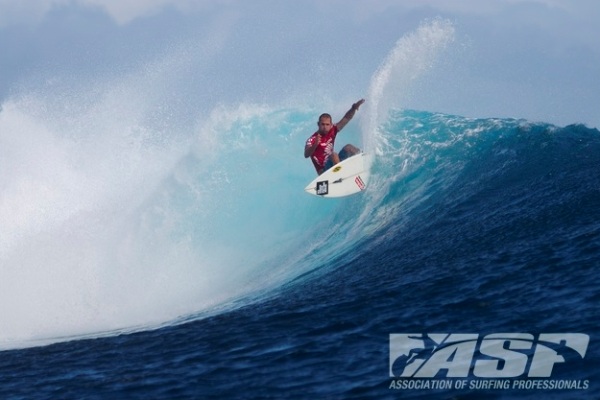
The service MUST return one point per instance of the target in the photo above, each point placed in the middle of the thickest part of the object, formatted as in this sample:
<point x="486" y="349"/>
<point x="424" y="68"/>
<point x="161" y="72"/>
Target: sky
<point x="532" y="59"/>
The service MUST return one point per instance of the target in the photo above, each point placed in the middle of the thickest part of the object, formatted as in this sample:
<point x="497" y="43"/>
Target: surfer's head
<point x="324" y="123"/>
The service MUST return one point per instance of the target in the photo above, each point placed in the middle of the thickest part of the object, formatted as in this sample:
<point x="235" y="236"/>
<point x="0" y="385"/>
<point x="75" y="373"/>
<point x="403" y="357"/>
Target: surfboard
<point x="348" y="177"/>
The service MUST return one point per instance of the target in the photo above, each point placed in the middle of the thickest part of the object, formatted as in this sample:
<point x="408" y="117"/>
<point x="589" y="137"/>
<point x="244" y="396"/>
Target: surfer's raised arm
<point x="349" y="114"/>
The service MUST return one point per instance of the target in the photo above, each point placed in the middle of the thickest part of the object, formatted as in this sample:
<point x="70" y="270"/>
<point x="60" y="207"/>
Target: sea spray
<point x="412" y="56"/>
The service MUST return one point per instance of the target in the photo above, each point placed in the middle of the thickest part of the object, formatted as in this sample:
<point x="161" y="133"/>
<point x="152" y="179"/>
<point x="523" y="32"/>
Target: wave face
<point x="120" y="214"/>
<point x="459" y="179"/>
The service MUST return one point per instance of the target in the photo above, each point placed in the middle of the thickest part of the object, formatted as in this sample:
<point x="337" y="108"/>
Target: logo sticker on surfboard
<point x="359" y="182"/>
<point x="322" y="188"/>
<point x="337" y="169"/>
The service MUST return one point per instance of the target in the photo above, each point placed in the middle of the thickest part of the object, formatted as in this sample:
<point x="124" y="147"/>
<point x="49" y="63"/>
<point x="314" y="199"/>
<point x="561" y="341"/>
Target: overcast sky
<point x="537" y="59"/>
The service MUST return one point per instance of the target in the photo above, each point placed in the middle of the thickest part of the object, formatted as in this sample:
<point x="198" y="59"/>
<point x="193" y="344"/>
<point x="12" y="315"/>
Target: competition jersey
<point x="324" y="149"/>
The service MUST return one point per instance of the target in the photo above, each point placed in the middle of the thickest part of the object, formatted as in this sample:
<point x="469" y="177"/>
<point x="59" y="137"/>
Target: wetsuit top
<point x="324" y="149"/>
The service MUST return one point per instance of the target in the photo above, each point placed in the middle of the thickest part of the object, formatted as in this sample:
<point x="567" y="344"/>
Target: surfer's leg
<point x="331" y="161"/>
<point x="335" y="158"/>
<point x="348" y="151"/>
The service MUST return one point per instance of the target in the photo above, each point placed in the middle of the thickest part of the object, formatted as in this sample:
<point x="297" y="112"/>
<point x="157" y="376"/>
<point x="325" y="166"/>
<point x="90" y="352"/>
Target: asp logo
<point x="496" y="355"/>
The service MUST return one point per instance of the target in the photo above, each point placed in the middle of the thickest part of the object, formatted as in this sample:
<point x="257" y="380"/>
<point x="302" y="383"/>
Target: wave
<point x="118" y="215"/>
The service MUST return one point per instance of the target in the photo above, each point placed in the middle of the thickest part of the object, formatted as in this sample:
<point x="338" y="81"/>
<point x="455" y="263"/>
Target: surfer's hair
<point x="325" y="115"/>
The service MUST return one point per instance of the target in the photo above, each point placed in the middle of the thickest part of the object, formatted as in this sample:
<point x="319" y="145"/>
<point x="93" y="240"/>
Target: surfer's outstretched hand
<point x="357" y="104"/>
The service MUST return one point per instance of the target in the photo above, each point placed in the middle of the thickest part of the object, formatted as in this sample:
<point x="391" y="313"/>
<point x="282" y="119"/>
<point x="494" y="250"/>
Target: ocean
<point x="139" y="260"/>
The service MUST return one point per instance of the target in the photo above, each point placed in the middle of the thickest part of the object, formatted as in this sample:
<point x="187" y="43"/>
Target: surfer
<point x="319" y="146"/>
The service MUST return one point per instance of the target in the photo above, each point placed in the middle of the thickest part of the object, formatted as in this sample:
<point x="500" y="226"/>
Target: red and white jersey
<point x="324" y="149"/>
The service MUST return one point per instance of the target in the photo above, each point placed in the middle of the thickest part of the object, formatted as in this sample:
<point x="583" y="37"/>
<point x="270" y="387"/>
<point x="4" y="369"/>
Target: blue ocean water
<point x="470" y="225"/>
<point x="140" y="262"/>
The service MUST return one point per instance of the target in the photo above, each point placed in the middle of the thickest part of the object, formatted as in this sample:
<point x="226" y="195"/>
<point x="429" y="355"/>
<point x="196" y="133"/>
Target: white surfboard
<point x="343" y="179"/>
